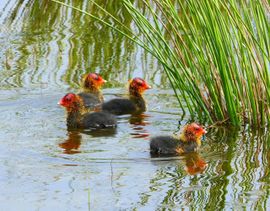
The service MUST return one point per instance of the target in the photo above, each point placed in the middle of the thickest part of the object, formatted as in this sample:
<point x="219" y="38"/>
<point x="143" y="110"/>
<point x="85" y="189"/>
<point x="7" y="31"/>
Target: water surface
<point x="44" y="51"/>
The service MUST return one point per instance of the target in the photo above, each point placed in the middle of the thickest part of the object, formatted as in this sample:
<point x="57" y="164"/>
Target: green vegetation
<point x="214" y="52"/>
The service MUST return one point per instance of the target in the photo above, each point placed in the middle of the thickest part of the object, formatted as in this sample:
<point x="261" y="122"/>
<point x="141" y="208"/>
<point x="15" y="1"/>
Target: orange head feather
<point x="138" y="85"/>
<point x="193" y="132"/>
<point x="93" y="81"/>
<point x="71" y="102"/>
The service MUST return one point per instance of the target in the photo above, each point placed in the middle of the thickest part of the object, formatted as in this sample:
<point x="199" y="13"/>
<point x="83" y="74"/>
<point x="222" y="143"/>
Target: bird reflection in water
<point x="138" y="123"/>
<point x="72" y="143"/>
<point x="194" y="164"/>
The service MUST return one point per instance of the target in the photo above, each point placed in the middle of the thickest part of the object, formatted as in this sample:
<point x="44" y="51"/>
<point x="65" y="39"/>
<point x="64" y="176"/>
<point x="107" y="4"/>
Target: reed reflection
<point x="66" y="44"/>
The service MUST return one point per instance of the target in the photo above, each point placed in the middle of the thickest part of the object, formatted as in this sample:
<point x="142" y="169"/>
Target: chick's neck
<point x="135" y="92"/>
<point x="187" y="136"/>
<point x="91" y="88"/>
<point x="74" y="114"/>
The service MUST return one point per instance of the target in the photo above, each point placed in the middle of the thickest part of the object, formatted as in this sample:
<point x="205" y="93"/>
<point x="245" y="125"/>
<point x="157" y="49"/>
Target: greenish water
<point x="44" y="50"/>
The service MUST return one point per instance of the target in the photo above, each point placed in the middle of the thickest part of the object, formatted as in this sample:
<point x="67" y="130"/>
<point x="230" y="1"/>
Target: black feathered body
<point x="168" y="145"/>
<point x="91" y="100"/>
<point x="121" y="106"/>
<point x="98" y="120"/>
<point x="95" y="120"/>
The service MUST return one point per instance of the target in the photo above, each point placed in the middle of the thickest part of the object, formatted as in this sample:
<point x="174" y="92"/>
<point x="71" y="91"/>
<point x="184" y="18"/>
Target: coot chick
<point x="188" y="141"/>
<point x="91" y="94"/>
<point x="78" y="118"/>
<point x="134" y="105"/>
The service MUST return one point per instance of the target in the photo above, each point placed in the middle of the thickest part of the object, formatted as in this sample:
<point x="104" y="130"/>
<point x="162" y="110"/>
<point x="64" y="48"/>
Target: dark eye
<point x="68" y="97"/>
<point x="139" y="82"/>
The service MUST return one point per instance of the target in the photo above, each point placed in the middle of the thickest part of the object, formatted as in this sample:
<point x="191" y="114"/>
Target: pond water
<point x="44" y="50"/>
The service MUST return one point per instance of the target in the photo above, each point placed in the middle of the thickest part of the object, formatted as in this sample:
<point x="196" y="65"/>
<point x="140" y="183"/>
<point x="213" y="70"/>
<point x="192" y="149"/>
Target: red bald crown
<point x="93" y="81"/>
<point x="138" y="85"/>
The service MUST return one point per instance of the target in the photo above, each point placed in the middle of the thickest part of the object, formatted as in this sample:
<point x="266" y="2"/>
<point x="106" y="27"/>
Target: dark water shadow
<point x="138" y="123"/>
<point x="106" y="132"/>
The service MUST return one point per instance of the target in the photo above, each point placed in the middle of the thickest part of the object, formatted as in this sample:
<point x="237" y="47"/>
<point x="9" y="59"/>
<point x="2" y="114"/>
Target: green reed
<point x="214" y="52"/>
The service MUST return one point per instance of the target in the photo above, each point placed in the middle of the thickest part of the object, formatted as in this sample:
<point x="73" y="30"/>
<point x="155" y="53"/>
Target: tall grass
<point x="214" y="52"/>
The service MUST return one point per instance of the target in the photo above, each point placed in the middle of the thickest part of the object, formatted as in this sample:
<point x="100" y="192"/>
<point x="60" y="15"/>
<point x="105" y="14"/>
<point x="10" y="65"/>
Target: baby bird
<point x="91" y="94"/>
<point x="77" y="118"/>
<point x="188" y="141"/>
<point x="135" y="104"/>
